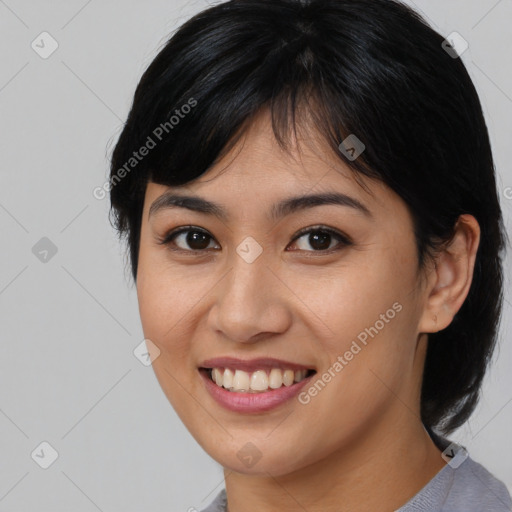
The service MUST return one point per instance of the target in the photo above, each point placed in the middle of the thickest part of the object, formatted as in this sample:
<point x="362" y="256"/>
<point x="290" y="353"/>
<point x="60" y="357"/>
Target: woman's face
<point x="247" y="285"/>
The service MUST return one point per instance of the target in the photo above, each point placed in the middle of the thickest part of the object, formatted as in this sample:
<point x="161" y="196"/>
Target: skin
<point x="359" y="443"/>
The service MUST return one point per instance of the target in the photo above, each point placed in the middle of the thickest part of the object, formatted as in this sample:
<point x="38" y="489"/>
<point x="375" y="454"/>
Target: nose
<point x="250" y="303"/>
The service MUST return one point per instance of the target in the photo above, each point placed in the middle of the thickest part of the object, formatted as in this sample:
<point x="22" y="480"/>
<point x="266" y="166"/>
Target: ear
<point x="449" y="281"/>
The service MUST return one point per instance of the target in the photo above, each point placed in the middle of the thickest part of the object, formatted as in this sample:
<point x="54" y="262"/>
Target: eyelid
<point x="343" y="239"/>
<point x="173" y="233"/>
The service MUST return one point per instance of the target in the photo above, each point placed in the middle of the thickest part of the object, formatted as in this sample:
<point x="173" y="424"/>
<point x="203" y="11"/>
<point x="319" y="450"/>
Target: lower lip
<point x="252" y="402"/>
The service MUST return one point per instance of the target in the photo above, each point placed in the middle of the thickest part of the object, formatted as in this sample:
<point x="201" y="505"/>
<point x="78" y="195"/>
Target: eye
<point x="196" y="239"/>
<point x="320" y="239"/>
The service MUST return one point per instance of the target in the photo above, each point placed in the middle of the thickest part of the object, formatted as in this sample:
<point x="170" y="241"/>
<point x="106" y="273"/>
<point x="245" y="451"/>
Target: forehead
<point x="257" y="171"/>
<point x="307" y="155"/>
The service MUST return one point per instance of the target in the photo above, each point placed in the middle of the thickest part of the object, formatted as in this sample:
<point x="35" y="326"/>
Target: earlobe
<point x="451" y="277"/>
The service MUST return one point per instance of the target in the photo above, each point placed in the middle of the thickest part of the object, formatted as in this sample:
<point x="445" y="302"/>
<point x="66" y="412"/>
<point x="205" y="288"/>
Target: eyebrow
<point x="278" y="210"/>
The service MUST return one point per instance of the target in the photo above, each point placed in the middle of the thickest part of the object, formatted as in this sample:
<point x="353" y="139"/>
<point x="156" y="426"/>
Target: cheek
<point x="159" y="291"/>
<point x="164" y="303"/>
<point x="346" y="300"/>
<point x="369" y="316"/>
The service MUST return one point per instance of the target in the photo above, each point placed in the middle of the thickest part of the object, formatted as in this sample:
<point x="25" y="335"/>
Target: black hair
<point x="372" y="68"/>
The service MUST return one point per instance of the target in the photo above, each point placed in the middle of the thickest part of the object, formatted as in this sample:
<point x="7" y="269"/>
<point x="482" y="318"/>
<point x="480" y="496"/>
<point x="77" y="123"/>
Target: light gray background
<point x="68" y="327"/>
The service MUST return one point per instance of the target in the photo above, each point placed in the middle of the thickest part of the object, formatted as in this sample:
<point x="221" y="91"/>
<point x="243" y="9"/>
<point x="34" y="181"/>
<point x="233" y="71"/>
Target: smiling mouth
<point x="259" y="381"/>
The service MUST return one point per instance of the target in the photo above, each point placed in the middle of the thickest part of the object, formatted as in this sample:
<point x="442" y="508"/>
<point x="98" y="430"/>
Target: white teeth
<point x="276" y="378"/>
<point x="288" y="377"/>
<point x="241" y="381"/>
<point x="227" y="381"/>
<point x="258" y="381"/>
<point x="217" y="376"/>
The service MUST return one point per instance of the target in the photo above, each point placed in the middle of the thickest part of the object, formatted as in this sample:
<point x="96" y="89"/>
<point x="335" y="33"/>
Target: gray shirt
<point x="467" y="488"/>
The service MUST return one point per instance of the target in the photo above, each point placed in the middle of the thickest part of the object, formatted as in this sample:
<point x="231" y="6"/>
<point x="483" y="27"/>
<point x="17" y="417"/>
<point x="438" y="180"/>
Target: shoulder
<point x="463" y="485"/>
<point x="218" y="504"/>
<point x="474" y="488"/>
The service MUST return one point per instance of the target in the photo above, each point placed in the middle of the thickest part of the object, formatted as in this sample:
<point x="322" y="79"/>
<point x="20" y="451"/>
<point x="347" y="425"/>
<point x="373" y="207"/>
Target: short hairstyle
<point x="372" y="68"/>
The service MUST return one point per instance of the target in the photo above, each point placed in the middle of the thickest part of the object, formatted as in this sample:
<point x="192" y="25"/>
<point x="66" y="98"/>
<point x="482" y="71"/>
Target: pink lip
<point x="251" y="402"/>
<point x="261" y="363"/>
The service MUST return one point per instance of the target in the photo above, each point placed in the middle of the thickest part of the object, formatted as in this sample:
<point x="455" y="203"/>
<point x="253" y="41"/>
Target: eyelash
<point x="343" y="240"/>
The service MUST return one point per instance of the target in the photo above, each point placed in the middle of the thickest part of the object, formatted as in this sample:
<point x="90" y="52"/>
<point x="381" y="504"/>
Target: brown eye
<point x="320" y="239"/>
<point x="188" y="239"/>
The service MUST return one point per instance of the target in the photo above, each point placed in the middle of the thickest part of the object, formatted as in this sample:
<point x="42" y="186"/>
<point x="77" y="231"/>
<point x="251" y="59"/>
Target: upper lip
<point x="251" y="365"/>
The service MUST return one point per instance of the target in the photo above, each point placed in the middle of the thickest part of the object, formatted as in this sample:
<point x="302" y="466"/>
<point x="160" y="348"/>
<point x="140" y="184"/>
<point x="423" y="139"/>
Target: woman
<point x="308" y="194"/>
